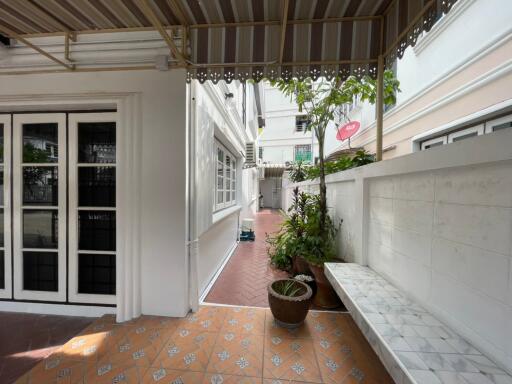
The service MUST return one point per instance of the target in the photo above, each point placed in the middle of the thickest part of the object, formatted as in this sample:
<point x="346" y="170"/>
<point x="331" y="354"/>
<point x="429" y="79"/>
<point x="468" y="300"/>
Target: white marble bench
<point x="412" y="344"/>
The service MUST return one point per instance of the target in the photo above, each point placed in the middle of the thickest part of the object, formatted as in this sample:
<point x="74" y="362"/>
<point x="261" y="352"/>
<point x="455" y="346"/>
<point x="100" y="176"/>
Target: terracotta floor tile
<point x="165" y="375"/>
<point x="292" y="359"/>
<point x="216" y="378"/>
<point x="244" y="320"/>
<point x="215" y="346"/>
<point x="187" y="350"/>
<point x="237" y="354"/>
<point x="207" y="318"/>
<point x="53" y="370"/>
<point x="272" y="329"/>
<point x="105" y="372"/>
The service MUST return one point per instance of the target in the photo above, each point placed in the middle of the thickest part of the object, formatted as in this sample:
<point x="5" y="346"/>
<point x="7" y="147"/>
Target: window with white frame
<point x="489" y="126"/>
<point x="226" y="176"/>
<point x="301" y="123"/>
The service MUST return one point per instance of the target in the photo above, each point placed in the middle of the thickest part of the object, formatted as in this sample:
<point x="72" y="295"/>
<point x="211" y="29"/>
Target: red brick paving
<point x="26" y="339"/>
<point x="245" y="278"/>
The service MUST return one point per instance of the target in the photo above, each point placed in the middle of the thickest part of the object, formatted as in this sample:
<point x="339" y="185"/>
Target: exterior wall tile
<point x="412" y="244"/>
<point x="381" y="187"/>
<point x="480" y="185"/>
<point x="468" y="264"/>
<point x="413" y="215"/>
<point x="381" y="210"/>
<point x="415" y="187"/>
<point x="482" y="315"/>
<point x="380" y="233"/>
<point x="480" y="226"/>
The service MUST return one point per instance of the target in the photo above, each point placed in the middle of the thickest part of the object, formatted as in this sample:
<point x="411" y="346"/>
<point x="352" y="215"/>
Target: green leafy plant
<point x="321" y="101"/>
<point x="288" y="288"/>
<point x="298" y="172"/>
<point x="360" y="158"/>
<point x="288" y="242"/>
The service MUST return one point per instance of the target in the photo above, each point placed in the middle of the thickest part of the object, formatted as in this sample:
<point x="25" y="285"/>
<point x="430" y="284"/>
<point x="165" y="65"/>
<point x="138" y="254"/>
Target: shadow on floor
<point x="26" y="339"/>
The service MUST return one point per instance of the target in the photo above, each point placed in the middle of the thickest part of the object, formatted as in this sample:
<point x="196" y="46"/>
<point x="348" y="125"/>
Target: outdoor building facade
<point x="454" y="84"/>
<point x="118" y="180"/>
<point x="283" y="141"/>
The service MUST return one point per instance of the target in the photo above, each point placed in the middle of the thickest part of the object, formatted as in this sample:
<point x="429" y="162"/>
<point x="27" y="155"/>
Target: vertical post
<point x="380" y="105"/>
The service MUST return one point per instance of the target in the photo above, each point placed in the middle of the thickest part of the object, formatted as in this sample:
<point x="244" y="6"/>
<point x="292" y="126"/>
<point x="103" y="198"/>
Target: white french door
<point x="39" y="206"/>
<point x="5" y="207"/>
<point x="63" y="207"/>
<point x="92" y="208"/>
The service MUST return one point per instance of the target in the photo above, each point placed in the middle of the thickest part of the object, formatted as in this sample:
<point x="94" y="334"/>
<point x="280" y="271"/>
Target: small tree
<point x="322" y="101"/>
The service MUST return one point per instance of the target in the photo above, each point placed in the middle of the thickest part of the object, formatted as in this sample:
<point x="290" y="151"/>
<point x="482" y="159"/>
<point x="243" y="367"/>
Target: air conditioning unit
<point x="250" y="155"/>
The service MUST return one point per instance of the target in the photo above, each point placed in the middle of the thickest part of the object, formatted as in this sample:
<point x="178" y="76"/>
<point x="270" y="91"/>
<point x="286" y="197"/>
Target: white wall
<point x="217" y="231"/>
<point x="454" y="71"/>
<point x="279" y="137"/>
<point x="160" y="110"/>
<point x="438" y="224"/>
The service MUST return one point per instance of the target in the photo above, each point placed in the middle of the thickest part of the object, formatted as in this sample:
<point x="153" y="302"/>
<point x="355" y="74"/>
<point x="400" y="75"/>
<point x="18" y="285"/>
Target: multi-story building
<point x="283" y="141"/>
<point x="455" y="84"/>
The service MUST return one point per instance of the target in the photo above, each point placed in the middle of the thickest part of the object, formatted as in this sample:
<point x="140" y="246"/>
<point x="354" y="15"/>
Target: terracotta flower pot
<point x="289" y="311"/>
<point x="326" y="296"/>
<point x="300" y="266"/>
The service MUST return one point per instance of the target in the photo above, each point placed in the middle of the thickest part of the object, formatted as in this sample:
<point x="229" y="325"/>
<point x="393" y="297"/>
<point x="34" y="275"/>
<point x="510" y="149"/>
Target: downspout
<point x="191" y="217"/>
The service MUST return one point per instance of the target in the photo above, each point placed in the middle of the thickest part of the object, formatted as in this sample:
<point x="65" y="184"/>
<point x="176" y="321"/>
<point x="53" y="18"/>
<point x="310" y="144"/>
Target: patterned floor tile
<point x="186" y="349"/>
<point x="54" y="370"/>
<point x="216" y="378"/>
<point x="172" y="376"/>
<point x="207" y="318"/>
<point x="105" y="372"/>
<point x="273" y="329"/>
<point x="215" y="346"/>
<point x="92" y="343"/>
<point x="292" y="359"/>
<point x="244" y="320"/>
<point x="237" y="354"/>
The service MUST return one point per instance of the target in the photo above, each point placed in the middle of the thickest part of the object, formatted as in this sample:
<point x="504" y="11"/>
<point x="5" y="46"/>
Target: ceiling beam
<point x="284" y="20"/>
<point x="199" y="26"/>
<point x="178" y="12"/>
<point x="150" y="14"/>
<point x="14" y="35"/>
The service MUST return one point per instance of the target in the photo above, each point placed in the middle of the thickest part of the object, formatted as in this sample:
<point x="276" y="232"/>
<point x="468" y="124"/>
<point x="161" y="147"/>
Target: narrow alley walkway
<point x="245" y="278"/>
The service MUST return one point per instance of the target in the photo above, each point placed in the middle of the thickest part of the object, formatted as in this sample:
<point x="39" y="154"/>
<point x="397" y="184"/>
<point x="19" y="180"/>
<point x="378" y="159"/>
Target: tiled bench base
<point x="413" y="345"/>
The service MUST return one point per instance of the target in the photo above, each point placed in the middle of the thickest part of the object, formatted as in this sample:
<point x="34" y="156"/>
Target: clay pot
<point x="300" y="266"/>
<point x="326" y="296"/>
<point x="289" y="312"/>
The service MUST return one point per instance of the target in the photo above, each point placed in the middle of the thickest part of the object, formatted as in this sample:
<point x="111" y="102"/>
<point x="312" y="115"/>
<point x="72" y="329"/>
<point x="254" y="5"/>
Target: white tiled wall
<point x="445" y="237"/>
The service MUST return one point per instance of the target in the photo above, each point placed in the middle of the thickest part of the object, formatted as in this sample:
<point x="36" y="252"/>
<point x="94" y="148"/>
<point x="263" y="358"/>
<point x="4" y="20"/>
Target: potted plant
<point x="319" y="248"/>
<point x="307" y="279"/>
<point x="286" y="245"/>
<point x="322" y="100"/>
<point x="289" y="302"/>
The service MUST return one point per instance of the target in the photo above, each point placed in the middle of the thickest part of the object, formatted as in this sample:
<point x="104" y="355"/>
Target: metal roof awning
<point x="239" y="39"/>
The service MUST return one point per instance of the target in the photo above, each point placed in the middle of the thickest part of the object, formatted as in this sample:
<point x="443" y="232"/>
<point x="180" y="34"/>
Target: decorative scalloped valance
<point x="241" y="39"/>
<point x="342" y="38"/>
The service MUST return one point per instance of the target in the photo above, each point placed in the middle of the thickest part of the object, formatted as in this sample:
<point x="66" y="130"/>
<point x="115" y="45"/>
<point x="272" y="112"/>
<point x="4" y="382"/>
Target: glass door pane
<point x="92" y="207"/>
<point x="39" y="206"/>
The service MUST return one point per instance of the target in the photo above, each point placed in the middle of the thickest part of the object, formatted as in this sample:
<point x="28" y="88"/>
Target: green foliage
<point x="321" y="101"/>
<point x="343" y="163"/>
<point x="301" y="234"/>
<point x="298" y="172"/>
<point x="288" y="241"/>
<point x="319" y="238"/>
<point x="288" y="288"/>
